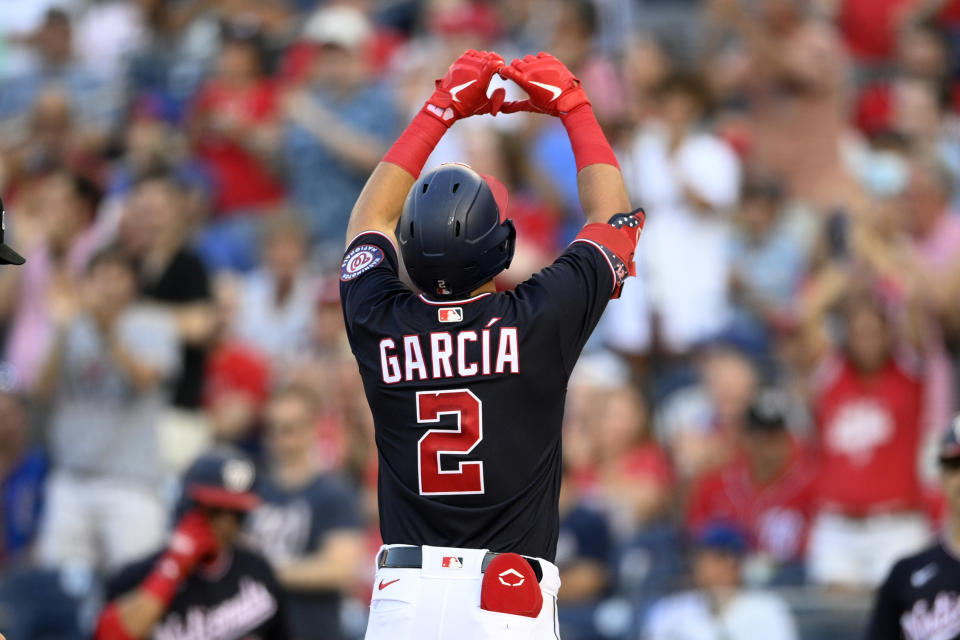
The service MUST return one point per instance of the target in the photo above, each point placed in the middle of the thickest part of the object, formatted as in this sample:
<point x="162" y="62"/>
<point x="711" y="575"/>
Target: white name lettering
<point x="442" y="354"/>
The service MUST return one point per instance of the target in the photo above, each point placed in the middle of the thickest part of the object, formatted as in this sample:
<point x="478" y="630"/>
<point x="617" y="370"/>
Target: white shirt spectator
<point x="750" y="615"/>
<point x="280" y="330"/>
<point x="684" y="262"/>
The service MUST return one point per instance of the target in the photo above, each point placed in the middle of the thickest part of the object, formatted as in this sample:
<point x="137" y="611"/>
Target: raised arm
<point x="554" y="90"/>
<point x="461" y="93"/>
<point x="611" y="225"/>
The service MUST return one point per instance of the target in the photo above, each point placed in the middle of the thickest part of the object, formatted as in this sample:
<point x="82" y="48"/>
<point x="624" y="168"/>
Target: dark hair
<point x="863" y="299"/>
<point x="586" y="14"/>
<point x="88" y="191"/>
<point x="688" y="83"/>
<point x="249" y="35"/>
<point x="763" y="187"/>
<point x="56" y="15"/>
<point x="159" y="174"/>
<point x="111" y="256"/>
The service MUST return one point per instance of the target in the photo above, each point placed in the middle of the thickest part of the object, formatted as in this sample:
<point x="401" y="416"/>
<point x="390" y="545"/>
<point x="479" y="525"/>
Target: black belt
<point x="412" y="558"/>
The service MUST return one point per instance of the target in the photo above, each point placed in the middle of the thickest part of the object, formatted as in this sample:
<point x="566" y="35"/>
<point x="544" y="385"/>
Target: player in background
<point x="203" y="585"/>
<point x="466" y="384"/>
<point x="920" y="599"/>
<point x="7" y="255"/>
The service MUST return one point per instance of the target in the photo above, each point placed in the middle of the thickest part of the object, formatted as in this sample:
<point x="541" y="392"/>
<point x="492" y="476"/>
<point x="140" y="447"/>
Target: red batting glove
<point x="463" y="91"/>
<point x="552" y="88"/>
<point x="192" y="542"/>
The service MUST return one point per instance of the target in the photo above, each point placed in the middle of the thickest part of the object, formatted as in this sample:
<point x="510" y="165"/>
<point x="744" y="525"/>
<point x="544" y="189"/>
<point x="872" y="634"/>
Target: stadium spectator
<point x="868" y="409"/>
<point x="687" y="180"/>
<point x="276" y="302"/>
<point x="630" y="474"/>
<point x="237" y="386"/>
<point x="934" y="229"/>
<point x="795" y="71"/>
<point x="576" y="28"/>
<point x="94" y="97"/>
<point x="23" y="469"/>
<point x="63" y="206"/>
<point x="700" y="425"/>
<point x="767" y="492"/>
<point x="336" y="126"/>
<point x="105" y="377"/>
<point x="230" y="122"/>
<point x="584" y="548"/>
<point x="154" y="142"/>
<point x="50" y="139"/>
<point x="172" y="276"/>
<point x="769" y="261"/>
<point x="307" y="524"/>
<point x="719" y="607"/>
<point x="204" y="583"/>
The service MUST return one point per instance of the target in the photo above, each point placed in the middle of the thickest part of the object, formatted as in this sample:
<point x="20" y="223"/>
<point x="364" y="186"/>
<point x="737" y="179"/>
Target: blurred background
<point x="179" y="174"/>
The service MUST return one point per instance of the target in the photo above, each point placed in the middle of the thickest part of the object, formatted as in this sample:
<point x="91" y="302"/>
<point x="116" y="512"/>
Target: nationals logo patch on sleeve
<point x="359" y="260"/>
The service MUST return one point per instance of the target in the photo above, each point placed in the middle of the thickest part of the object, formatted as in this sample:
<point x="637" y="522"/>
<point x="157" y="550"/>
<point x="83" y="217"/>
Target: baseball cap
<point x="221" y="478"/>
<point x="767" y="411"/>
<point x="341" y="26"/>
<point x="721" y="536"/>
<point x="7" y="255"/>
<point x="950" y="443"/>
<point x="235" y="368"/>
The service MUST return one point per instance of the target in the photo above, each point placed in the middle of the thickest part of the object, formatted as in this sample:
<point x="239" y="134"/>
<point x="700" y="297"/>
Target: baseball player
<point x="466" y="384"/>
<point x="920" y="599"/>
<point x="7" y="255"/>
<point x="203" y="585"/>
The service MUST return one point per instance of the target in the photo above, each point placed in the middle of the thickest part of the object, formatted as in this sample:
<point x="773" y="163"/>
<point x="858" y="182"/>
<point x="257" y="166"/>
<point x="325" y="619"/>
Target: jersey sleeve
<point x="571" y="294"/>
<point x="369" y="275"/>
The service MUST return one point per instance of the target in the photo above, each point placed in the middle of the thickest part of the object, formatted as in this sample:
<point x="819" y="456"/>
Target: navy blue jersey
<point x="920" y="599"/>
<point x="292" y="523"/>
<point x="467" y="396"/>
<point x="239" y="600"/>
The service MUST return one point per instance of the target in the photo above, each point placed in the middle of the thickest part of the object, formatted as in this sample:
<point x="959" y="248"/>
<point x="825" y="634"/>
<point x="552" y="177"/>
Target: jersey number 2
<point x="468" y="477"/>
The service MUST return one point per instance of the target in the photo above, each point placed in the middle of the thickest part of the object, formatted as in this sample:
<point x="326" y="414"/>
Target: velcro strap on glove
<point x="617" y="239"/>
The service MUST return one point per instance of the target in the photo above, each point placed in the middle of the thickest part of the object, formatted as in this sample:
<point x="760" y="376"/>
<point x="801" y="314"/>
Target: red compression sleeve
<point x="414" y="146"/>
<point x="110" y="626"/>
<point x="589" y="144"/>
<point x="165" y="578"/>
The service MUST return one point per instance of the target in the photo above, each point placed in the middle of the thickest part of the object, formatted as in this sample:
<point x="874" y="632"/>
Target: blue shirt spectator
<point x="22" y="473"/>
<point x="337" y="128"/>
<point x="94" y="98"/>
<point x="321" y="184"/>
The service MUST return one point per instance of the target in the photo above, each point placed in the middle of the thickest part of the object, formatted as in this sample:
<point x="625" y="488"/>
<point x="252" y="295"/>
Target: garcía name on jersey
<point x="491" y="351"/>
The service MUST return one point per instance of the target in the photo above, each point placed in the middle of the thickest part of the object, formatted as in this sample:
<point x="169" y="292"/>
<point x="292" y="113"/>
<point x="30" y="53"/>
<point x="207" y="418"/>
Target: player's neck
<point x="487" y="287"/>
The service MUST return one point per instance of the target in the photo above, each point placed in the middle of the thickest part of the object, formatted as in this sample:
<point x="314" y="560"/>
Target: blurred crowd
<point x="756" y="416"/>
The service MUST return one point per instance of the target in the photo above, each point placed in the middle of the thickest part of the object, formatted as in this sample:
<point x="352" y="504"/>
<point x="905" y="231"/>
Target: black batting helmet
<point x="452" y="234"/>
<point x="7" y="255"/>
<point x="221" y="479"/>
